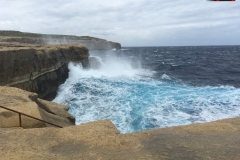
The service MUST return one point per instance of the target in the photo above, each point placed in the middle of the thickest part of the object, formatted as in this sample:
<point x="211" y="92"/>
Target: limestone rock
<point x="51" y="109"/>
<point x="28" y="103"/>
<point x="101" y="140"/>
<point x="91" y="43"/>
<point x="39" y="69"/>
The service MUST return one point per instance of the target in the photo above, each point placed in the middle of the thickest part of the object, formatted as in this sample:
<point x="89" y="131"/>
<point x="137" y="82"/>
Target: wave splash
<point x="135" y="101"/>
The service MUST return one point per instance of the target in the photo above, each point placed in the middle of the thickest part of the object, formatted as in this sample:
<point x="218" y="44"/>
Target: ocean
<point x="142" y="88"/>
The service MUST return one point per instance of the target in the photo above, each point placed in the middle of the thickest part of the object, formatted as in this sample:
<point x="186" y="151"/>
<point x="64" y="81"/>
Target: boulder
<point x="28" y="103"/>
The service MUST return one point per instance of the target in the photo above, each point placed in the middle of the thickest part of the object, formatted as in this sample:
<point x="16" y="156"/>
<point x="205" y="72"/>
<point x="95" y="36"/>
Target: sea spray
<point x="134" y="99"/>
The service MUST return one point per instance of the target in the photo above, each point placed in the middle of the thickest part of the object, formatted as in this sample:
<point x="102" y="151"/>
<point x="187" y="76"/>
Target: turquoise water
<point x="134" y="100"/>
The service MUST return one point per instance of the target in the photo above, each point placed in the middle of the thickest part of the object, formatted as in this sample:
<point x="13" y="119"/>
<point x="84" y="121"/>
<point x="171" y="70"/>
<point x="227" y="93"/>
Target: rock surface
<point x="40" y="69"/>
<point x="101" y="140"/>
<point x="91" y="43"/>
<point x="28" y="103"/>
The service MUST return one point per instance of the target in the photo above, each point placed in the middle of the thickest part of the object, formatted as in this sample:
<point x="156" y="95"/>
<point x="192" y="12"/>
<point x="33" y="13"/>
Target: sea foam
<point x="133" y="100"/>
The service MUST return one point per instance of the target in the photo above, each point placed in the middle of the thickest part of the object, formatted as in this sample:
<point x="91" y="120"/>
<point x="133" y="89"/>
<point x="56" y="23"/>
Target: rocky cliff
<point x="91" y="43"/>
<point x="38" y="68"/>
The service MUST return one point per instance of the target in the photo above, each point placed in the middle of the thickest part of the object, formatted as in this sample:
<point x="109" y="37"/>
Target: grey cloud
<point x="130" y="22"/>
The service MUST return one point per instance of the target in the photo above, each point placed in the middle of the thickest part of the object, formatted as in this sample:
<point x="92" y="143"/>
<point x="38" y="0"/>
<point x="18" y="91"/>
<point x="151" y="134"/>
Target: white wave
<point x="165" y="76"/>
<point x="134" y="101"/>
<point x="111" y="67"/>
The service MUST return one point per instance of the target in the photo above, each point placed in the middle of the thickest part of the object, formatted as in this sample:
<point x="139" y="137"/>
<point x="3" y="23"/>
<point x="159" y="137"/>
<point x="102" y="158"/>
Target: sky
<point x="129" y="22"/>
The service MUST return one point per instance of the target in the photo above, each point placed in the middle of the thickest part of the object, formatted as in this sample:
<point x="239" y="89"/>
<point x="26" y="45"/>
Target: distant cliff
<point x="91" y="43"/>
<point x="38" y="68"/>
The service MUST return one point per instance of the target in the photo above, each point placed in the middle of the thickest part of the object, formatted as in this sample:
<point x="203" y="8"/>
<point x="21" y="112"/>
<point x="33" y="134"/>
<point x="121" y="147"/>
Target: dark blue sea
<point x="141" y="88"/>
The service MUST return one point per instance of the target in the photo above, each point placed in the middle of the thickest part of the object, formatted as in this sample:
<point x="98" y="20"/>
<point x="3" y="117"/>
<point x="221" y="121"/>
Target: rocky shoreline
<point x="30" y="75"/>
<point x="29" y="64"/>
<point x="39" y="69"/>
<point x="101" y="139"/>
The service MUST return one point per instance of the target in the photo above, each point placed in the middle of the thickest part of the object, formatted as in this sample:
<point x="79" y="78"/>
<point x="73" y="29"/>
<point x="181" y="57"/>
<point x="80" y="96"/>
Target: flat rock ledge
<point x="29" y="103"/>
<point x="101" y="140"/>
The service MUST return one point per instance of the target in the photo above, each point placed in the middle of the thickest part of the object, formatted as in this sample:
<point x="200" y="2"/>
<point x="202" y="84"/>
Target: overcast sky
<point x="130" y="22"/>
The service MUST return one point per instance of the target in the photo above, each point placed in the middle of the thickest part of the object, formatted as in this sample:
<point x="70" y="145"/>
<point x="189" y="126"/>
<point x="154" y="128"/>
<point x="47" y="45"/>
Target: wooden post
<point x="20" y="120"/>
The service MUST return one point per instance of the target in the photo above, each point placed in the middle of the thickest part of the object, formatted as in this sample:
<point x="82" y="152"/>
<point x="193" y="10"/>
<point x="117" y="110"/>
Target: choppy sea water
<point x="140" y="88"/>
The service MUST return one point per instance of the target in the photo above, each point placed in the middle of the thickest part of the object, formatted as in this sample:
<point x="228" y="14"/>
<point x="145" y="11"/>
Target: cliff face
<point x="91" y="43"/>
<point x="40" y="69"/>
<point x="30" y="61"/>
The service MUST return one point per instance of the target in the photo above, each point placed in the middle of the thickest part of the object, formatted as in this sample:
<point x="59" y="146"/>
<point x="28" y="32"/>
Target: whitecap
<point x="134" y="101"/>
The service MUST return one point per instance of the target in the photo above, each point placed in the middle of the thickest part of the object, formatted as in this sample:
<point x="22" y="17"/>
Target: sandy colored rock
<point x="28" y="103"/>
<point x="48" y="109"/>
<point x="92" y="43"/>
<point x="18" y="99"/>
<point x="101" y="140"/>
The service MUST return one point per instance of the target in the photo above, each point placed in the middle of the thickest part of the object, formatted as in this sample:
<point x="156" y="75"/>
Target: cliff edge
<point x="91" y="43"/>
<point x="38" y="68"/>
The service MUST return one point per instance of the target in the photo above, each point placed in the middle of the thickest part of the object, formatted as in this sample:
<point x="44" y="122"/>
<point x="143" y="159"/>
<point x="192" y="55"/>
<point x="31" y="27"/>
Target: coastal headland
<point x="91" y="43"/>
<point x="32" y="66"/>
<point x="38" y="62"/>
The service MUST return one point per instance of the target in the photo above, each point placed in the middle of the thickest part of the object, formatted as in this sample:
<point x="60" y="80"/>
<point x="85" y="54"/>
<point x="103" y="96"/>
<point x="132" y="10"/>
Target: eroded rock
<point x="28" y="103"/>
<point x="39" y="69"/>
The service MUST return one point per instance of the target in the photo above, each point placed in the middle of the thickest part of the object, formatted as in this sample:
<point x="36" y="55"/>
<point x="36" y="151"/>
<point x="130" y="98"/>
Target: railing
<point x="20" y="119"/>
